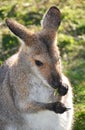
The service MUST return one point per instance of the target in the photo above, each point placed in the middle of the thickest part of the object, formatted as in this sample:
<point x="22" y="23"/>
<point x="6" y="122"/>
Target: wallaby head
<point x="41" y="50"/>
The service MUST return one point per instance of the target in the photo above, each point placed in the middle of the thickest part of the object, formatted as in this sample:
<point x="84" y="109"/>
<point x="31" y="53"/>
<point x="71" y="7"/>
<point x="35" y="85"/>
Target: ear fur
<point x="51" y="19"/>
<point x="18" y="29"/>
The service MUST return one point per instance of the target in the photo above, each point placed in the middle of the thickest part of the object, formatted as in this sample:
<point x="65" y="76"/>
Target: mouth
<point x="62" y="89"/>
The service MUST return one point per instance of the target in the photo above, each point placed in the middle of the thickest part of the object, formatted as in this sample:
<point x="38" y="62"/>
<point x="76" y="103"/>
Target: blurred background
<point x="71" y="40"/>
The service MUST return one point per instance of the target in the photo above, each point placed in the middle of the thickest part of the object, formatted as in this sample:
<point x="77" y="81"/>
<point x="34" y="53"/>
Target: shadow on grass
<point x="10" y="46"/>
<point x="32" y="18"/>
<point x="78" y="31"/>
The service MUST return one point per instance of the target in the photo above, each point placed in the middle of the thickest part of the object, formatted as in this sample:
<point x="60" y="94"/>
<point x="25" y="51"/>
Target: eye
<point x="38" y="63"/>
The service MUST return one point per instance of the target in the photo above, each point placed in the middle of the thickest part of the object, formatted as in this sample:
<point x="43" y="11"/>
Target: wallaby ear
<point x="18" y="29"/>
<point x="51" y="19"/>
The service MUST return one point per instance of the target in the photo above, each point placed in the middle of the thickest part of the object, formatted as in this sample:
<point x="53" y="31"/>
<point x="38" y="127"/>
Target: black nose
<point x="63" y="89"/>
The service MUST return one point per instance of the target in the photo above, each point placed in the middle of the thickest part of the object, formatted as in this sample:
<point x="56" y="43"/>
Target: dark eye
<point x="38" y="63"/>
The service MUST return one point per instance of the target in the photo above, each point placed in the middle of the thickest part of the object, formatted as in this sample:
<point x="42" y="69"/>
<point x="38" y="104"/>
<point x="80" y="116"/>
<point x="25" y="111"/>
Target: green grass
<point x="71" y="40"/>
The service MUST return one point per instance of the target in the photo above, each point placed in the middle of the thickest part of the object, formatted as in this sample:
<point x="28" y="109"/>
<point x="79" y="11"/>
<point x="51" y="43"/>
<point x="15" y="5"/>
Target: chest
<point x="46" y="120"/>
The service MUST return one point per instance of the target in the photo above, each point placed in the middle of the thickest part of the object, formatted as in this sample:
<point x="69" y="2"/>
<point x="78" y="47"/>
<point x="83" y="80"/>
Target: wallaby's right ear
<point x="52" y="19"/>
<point x="19" y="30"/>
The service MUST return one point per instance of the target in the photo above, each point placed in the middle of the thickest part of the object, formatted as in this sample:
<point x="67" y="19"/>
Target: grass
<point x="71" y="40"/>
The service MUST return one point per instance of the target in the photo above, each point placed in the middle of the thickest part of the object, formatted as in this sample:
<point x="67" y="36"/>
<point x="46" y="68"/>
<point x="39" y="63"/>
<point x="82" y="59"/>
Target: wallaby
<point x="29" y="79"/>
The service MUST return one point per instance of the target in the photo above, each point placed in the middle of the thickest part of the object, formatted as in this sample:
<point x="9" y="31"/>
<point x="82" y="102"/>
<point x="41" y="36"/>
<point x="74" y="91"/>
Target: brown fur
<point x="28" y="79"/>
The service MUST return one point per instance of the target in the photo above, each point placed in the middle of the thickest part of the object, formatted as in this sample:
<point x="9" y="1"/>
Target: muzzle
<point x="62" y="87"/>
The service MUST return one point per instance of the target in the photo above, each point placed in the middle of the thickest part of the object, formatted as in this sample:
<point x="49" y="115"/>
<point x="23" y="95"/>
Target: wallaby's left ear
<point x="51" y="19"/>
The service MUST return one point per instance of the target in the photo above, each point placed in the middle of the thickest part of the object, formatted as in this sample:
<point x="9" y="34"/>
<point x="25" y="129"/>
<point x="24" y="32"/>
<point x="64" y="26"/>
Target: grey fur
<point x="26" y="94"/>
